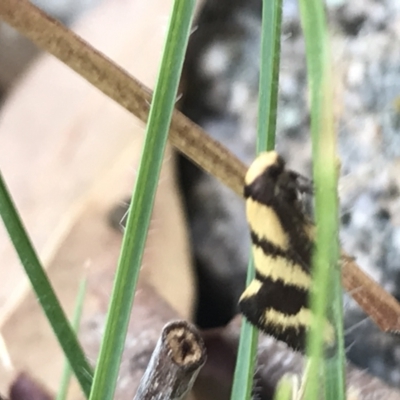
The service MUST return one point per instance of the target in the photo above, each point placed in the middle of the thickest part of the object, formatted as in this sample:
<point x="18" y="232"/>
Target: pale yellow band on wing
<point x="259" y="165"/>
<point x="278" y="268"/>
<point x="265" y="223"/>
<point x="252" y="289"/>
<point x="302" y="318"/>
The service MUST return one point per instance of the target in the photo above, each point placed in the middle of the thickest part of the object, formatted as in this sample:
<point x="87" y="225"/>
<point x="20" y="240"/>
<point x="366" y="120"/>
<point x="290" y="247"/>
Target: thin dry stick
<point x="176" y="361"/>
<point x="186" y="136"/>
<point x="117" y="84"/>
<point x="383" y="308"/>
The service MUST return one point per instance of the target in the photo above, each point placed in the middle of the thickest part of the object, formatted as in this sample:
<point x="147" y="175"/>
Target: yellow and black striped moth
<point x="276" y="301"/>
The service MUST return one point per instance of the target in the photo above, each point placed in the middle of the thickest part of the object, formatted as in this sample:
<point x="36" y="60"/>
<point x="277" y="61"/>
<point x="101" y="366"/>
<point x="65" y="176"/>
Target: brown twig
<point x="149" y="316"/>
<point x="117" y="84"/>
<point x="186" y="136"/>
<point x="174" y="365"/>
<point x="383" y="308"/>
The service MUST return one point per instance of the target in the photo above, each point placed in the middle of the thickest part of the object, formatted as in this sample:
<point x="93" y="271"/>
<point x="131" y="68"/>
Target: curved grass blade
<point x="44" y="291"/>
<point x="106" y="372"/>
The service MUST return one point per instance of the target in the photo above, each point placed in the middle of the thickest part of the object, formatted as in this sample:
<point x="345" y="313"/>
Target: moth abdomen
<point x="282" y="236"/>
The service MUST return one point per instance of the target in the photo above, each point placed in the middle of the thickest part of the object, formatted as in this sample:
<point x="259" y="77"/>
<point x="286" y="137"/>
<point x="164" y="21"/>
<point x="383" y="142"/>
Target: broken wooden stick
<point x="177" y="359"/>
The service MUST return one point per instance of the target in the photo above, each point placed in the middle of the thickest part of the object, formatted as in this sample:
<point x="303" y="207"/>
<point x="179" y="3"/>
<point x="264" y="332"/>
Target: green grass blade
<point x="325" y="174"/>
<point x="336" y="366"/>
<point x="67" y="371"/>
<point x="247" y="354"/>
<point x="246" y="359"/>
<point x="106" y="372"/>
<point x="269" y="73"/>
<point x="44" y="291"/>
<point x="267" y="111"/>
<point x="284" y="389"/>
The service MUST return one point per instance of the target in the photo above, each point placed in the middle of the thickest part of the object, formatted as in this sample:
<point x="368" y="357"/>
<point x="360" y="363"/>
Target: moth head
<point x="261" y="181"/>
<point x="269" y="162"/>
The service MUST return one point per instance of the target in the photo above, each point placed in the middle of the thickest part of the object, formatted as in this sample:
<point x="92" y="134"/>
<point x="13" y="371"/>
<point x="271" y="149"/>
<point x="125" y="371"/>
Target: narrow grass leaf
<point x="67" y="371"/>
<point x="267" y="111"/>
<point x="44" y="291"/>
<point x="112" y="346"/>
<point x="285" y="389"/>
<point x="325" y="175"/>
<point x="269" y="73"/>
<point x="247" y="354"/>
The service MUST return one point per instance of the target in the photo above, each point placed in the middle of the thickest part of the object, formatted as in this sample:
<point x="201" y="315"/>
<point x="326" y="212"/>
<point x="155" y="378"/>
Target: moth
<point x="276" y="301"/>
